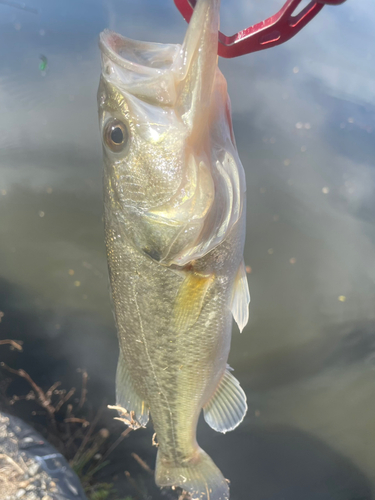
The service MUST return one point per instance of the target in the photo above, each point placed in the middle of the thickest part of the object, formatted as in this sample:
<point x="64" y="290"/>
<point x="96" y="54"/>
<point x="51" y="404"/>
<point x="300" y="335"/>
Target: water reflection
<point x="282" y="462"/>
<point x="304" y="119"/>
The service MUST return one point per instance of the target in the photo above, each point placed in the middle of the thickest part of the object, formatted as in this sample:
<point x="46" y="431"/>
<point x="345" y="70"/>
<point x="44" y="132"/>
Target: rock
<point x="32" y="495"/>
<point x="48" y="476"/>
<point x="34" y="469"/>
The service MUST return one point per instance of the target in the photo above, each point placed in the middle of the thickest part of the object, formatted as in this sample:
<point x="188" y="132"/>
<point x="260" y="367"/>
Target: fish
<point x="174" y="216"/>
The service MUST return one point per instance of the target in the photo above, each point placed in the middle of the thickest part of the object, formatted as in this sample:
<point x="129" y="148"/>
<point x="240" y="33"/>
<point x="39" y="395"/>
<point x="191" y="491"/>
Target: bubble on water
<point x="292" y="260"/>
<point x="342" y="298"/>
<point x="296" y="69"/>
<point x="325" y="190"/>
<point x="270" y="251"/>
<point x="41" y="213"/>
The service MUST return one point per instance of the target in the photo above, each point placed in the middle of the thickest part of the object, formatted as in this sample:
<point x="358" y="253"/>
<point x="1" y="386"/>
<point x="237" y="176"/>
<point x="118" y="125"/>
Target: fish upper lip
<point x="111" y="43"/>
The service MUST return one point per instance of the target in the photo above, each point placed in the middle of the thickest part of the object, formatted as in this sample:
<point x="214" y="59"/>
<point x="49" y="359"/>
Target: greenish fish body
<point x="174" y="197"/>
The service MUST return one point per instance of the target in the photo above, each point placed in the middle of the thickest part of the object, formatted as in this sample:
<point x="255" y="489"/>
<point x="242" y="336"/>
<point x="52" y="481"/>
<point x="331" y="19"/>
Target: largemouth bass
<point x="174" y="197"/>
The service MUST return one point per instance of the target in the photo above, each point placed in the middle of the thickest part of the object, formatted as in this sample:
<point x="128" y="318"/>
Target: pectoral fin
<point x="241" y="298"/>
<point x="132" y="408"/>
<point x="227" y="407"/>
<point x="190" y="298"/>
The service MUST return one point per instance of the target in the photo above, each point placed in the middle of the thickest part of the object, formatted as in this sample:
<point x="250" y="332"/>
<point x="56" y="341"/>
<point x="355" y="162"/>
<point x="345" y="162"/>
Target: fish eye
<point x="116" y="135"/>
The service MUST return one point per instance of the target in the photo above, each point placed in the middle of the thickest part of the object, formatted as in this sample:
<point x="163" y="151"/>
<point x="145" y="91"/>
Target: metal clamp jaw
<point x="273" y="31"/>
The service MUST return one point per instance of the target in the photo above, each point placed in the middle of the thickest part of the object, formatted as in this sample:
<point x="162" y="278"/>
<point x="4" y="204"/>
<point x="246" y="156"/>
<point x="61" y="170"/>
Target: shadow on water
<point x="57" y="342"/>
<point x="276" y="462"/>
<point x="284" y="463"/>
<point x="273" y="463"/>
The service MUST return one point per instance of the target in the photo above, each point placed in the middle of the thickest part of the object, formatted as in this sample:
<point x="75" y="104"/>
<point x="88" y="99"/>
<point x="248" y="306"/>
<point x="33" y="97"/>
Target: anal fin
<point x="133" y="410"/>
<point x="227" y="407"/>
<point x="241" y="298"/>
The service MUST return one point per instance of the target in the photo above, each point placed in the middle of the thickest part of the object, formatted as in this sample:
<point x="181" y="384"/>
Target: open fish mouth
<point x="158" y="72"/>
<point x="144" y="69"/>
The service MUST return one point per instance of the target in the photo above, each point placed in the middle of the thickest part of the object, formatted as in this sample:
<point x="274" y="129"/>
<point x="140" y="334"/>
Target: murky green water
<point x="304" y="118"/>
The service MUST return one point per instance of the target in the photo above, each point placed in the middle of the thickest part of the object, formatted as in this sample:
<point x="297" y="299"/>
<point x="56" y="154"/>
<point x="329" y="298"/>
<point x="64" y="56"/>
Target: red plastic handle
<point x="273" y="31"/>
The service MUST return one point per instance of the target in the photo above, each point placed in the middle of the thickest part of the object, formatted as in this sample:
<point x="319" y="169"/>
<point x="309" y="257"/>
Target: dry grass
<point x="68" y="424"/>
<point x="10" y="474"/>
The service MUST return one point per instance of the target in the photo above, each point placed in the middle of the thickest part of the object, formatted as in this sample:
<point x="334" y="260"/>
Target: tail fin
<point x="202" y="479"/>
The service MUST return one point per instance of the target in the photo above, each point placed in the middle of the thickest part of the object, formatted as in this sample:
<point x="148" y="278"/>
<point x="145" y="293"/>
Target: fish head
<point x="171" y="165"/>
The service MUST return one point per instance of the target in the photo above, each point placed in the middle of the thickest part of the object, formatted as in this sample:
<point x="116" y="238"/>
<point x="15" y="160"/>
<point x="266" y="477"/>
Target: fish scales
<point x="174" y="198"/>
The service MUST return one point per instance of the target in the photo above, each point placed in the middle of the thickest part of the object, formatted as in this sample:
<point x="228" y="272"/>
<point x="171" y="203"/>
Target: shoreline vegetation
<point x="67" y="420"/>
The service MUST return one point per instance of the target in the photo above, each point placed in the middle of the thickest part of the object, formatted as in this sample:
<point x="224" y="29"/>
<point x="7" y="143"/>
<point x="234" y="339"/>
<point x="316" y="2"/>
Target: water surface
<point x="304" y="119"/>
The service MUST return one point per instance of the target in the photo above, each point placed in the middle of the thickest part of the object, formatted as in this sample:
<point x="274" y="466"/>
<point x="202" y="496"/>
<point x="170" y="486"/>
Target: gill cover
<point x="175" y="98"/>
